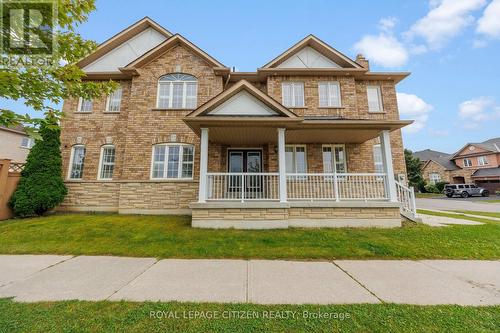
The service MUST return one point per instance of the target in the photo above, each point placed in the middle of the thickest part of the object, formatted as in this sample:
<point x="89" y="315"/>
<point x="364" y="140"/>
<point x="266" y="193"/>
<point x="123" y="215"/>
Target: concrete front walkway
<point x="32" y="278"/>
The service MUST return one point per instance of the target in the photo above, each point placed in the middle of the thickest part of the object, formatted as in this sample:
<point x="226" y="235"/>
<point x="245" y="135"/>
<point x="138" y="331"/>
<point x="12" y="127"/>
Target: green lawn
<point x="77" y="316"/>
<point x="487" y="214"/>
<point x="172" y="237"/>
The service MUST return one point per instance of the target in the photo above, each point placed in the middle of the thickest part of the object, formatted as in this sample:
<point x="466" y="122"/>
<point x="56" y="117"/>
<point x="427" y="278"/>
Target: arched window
<point x="177" y="91"/>
<point x="77" y="162"/>
<point x="106" y="162"/>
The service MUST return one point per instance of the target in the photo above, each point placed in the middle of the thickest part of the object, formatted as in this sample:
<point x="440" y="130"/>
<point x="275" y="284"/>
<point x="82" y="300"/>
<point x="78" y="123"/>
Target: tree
<point x="41" y="187"/>
<point x="43" y="83"/>
<point x="414" y="169"/>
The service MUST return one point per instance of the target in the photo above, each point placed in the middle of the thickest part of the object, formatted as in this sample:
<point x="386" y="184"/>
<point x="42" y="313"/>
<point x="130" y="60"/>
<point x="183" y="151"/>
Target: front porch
<point x="299" y="179"/>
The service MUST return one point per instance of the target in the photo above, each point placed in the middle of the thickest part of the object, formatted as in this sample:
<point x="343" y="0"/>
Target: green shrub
<point x="440" y="186"/>
<point x="41" y="186"/>
<point x="430" y="188"/>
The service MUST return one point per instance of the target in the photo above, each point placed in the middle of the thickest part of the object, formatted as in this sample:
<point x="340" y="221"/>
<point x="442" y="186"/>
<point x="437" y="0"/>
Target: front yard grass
<point x="428" y="195"/>
<point x="173" y="237"/>
<point x="78" y="316"/>
<point x="487" y="214"/>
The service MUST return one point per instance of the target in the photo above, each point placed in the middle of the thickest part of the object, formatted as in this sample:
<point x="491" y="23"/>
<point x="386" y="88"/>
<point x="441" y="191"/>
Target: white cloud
<point x="413" y="107"/>
<point x="384" y="50"/>
<point x="489" y="23"/>
<point x="478" y="110"/>
<point x="445" y="20"/>
<point x="479" y="43"/>
<point x="387" y="23"/>
<point x="438" y="133"/>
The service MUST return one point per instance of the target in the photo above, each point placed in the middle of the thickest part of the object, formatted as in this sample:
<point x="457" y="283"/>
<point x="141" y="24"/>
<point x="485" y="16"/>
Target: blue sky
<point x="450" y="46"/>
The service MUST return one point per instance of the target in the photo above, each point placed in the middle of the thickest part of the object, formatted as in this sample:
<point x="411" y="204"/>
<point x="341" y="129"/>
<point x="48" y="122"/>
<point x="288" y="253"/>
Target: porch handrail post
<point x="336" y="186"/>
<point x="385" y="142"/>
<point x="282" y="164"/>
<point x="202" y="193"/>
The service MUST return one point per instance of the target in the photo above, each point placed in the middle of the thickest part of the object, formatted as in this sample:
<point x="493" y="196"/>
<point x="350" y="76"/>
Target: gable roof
<point x="121" y="37"/>
<point x="242" y="85"/>
<point x="429" y="154"/>
<point x="492" y="145"/>
<point x="16" y="129"/>
<point x="173" y="41"/>
<point x="318" y="45"/>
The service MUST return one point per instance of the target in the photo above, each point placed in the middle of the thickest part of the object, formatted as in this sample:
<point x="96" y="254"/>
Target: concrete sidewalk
<point x="32" y="278"/>
<point x="454" y="204"/>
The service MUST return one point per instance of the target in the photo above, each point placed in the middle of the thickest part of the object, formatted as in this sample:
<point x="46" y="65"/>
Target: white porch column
<point x="202" y="192"/>
<point x="282" y="164"/>
<point x="385" y="144"/>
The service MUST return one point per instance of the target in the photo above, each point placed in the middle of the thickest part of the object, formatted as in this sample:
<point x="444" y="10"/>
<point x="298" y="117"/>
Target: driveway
<point x="31" y="278"/>
<point x="457" y="204"/>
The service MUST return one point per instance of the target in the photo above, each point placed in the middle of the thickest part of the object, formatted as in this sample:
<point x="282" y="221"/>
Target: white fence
<point x="406" y="195"/>
<point x="243" y="186"/>
<point x="336" y="186"/>
<point x="300" y="186"/>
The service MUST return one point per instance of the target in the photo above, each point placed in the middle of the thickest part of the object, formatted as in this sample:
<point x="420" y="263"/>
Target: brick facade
<point x="139" y="125"/>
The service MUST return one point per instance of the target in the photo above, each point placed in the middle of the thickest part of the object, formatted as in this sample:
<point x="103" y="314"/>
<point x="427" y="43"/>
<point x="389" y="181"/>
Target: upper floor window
<point x="334" y="159"/>
<point x="76" y="163"/>
<point x="107" y="162"/>
<point x="329" y="94"/>
<point x="377" y="159"/>
<point x="177" y="91"/>
<point x="114" y="101"/>
<point x="482" y="160"/>
<point x="467" y="162"/>
<point x="295" y="156"/>
<point x="27" y="142"/>
<point x="374" y="99"/>
<point x="172" y="161"/>
<point x="293" y="94"/>
<point x="84" y="105"/>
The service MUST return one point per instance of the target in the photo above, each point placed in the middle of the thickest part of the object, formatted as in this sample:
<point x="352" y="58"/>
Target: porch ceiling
<point x="237" y="130"/>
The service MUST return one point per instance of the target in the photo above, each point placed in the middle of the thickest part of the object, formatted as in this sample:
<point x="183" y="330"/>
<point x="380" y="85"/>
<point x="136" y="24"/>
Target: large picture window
<point x="172" y="161"/>
<point x="334" y="159"/>
<point x="107" y="162"/>
<point x="177" y="91"/>
<point x="77" y="162"/>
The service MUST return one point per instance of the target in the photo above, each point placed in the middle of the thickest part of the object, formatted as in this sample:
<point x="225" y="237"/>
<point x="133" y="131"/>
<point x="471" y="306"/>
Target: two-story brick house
<point x="311" y="138"/>
<point x="476" y="162"/>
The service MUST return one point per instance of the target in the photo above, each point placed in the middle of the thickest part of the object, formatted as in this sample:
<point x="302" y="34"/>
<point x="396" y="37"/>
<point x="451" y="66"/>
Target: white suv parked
<point x="464" y="190"/>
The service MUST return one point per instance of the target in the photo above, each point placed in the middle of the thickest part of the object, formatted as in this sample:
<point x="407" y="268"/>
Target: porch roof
<point x="260" y="130"/>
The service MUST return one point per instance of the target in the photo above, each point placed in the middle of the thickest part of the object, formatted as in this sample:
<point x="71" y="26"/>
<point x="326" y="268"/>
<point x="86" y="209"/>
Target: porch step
<point x="411" y="217"/>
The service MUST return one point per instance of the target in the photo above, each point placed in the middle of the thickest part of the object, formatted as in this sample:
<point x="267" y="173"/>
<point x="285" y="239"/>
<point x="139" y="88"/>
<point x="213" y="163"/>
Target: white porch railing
<point x="242" y="186"/>
<point x="300" y="186"/>
<point x="336" y="186"/>
<point x="406" y="195"/>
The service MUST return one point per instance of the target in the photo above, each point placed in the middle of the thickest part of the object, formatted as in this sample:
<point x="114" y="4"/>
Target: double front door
<point x="245" y="161"/>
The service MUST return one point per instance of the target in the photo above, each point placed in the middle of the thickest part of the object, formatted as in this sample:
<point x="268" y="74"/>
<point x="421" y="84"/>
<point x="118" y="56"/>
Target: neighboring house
<point x="311" y="138"/>
<point x="15" y="144"/>
<point x="477" y="163"/>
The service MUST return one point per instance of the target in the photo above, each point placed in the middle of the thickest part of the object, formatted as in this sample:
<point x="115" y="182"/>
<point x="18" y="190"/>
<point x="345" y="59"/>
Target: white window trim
<point x="467" y="165"/>
<point x="165" y="168"/>
<point x="434" y="180"/>
<point x="108" y="101"/>
<point x="295" y="155"/>
<point x="332" y="146"/>
<point x="79" y="108"/>
<point x="483" y="159"/>
<point x="171" y="94"/>
<point x="336" y="83"/>
<point x="100" y="162"/>
<point x="72" y="156"/>
<point x="380" y="101"/>
<point x="293" y="95"/>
